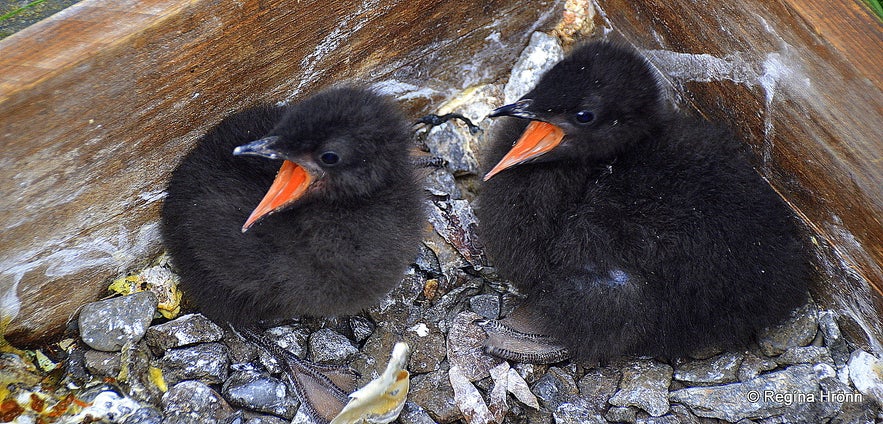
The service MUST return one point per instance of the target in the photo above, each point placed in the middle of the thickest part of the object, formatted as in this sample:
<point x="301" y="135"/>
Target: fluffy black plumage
<point x="644" y="231"/>
<point x="335" y="250"/>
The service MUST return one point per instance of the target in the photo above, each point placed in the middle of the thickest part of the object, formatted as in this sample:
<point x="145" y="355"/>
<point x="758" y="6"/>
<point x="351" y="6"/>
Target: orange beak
<point x="539" y="138"/>
<point x="290" y="184"/>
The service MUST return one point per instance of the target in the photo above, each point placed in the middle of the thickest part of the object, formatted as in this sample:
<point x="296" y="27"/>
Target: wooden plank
<point x="802" y="83"/>
<point x="98" y="103"/>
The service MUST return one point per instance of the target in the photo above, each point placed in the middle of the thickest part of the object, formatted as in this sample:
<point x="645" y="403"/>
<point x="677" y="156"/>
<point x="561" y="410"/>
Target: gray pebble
<point x="102" y="363"/>
<point x="798" y="330"/>
<point x="486" y="305"/>
<point x="598" y="385"/>
<point x="644" y="385"/>
<point x="108" y="324"/>
<point x="719" y="369"/>
<point x="622" y="414"/>
<point x="576" y="412"/>
<point x="805" y="355"/>
<point x="183" y="331"/>
<point x="193" y="402"/>
<point x="414" y="414"/>
<point x="466" y="347"/>
<point x="207" y="362"/>
<point x="292" y="337"/>
<point x="145" y="415"/>
<point x="248" y="417"/>
<point x="555" y="387"/>
<point x="362" y="328"/>
<point x="754" y="364"/>
<point x="433" y="393"/>
<point x="427" y="347"/>
<point x="763" y="397"/>
<point x="330" y="347"/>
<point x="260" y="392"/>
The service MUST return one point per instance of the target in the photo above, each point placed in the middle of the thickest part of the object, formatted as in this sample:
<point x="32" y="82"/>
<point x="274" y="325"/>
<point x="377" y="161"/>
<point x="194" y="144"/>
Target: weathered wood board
<point x="99" y="102"/>
<point x="803" y="84"/>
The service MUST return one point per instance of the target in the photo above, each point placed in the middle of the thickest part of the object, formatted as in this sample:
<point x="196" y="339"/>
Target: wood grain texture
<point x="802" y="84"/>
<point x="98" y="103"/>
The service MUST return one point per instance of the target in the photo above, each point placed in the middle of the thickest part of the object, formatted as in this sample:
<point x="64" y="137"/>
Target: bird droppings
<point x="231" y="381"/>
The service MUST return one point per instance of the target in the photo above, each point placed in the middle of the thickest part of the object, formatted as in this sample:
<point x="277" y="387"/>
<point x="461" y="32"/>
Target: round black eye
<point x="329" y="158"/>
<point x="585" y="116"/>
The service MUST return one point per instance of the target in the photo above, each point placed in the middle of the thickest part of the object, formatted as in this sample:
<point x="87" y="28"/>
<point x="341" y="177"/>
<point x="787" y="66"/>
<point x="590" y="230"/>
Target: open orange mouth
<point x="539" y="138"/>
<point x="290" y="184"/>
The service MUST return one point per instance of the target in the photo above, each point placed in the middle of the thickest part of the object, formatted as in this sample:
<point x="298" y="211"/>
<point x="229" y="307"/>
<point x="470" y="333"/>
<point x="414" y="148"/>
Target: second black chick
<point x="631" y="228"/>
<point x="316" y="212"/>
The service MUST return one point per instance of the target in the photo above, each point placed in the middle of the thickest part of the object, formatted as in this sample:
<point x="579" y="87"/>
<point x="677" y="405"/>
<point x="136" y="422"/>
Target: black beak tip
<point x="517" y="110"/>
<point x="262" y="148"/>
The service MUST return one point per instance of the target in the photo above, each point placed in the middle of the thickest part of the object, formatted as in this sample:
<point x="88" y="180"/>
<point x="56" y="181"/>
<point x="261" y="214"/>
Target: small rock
<point x="330" y="347"/>
<point x="108" y="324"/>
<point x="619" y="414"/>
<point x="303" y="418"/>
<point x="433" y="392"/>
<point x="193" y="402"/>
<point x="362" y="328"/>
<point x="782" y="396"/>
<point x="240" y="351"/>
<point x="414" y="414"/>
<point x="598" y="385"/>
<point x="835" y="343"/>
<point x="145" y="415"/>
<point x="486" y="305"/>
<point x="207" y="362"/>
<point x="555" y="387"/>
<point x="455" y="221"/>
<point x="451" y="143"/>
<point x="665" y="419"/>
<point x="102" y="363"/>
<point x="530" y="372"/>
<point x="541" y="53"/>
<point x="292" y="337"/>
<point x="468" y="399"/>
<point x="805" y="355"/>
<point x="427" y="347"/>
<point x="798" y="330"/>
<point x="182" y="331"/>
<point x="683" y="414"/>
<point x="866" y="372"/>
<point x="644" y="385"/>
<point x="715" y="370"/>
<point x="466" y="347"/>
<point x="397" y="309"/>
<point x="427" y="261"/>
<point x="753" y="365"/>
<point x="260" y="392"/>
<point x="135" y="362"/>
<point x="441" y="183"/>
<point x="576" y="412"/>
<point x="248" y="417"/>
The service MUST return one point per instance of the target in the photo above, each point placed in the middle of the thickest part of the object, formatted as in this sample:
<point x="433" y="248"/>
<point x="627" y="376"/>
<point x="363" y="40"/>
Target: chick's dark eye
<point x="585" y="116"/>
<point x="329" y="158"/>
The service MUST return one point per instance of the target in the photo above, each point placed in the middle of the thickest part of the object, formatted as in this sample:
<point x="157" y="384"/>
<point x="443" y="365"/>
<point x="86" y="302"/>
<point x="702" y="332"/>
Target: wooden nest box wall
<point x="99" y="102"/>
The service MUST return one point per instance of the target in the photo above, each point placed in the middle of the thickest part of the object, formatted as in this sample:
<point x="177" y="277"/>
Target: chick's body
<point x="644" y="231"/>
<point x="335" y="250"/>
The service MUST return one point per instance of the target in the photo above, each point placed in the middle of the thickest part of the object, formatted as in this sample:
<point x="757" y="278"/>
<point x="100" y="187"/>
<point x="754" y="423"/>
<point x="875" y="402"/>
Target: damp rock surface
<point x="182" y="331"/>
<point x="108" y="324"/>
<point x="193" y="402"/>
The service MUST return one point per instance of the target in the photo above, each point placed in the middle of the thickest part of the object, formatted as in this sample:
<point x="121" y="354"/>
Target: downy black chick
<point x="631" y="228"/>
<point x="310" y="209"/>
